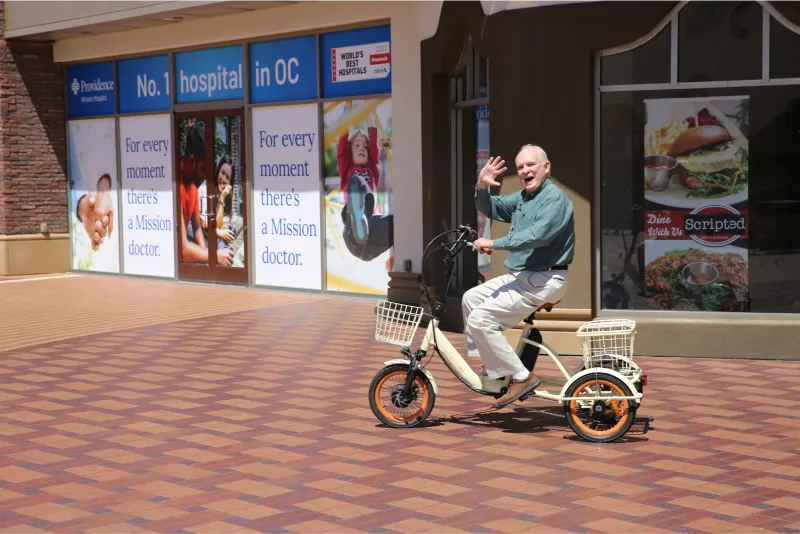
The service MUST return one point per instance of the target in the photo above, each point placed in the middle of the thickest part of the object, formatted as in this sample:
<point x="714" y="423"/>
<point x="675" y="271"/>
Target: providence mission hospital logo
<point x="95" y="86"/>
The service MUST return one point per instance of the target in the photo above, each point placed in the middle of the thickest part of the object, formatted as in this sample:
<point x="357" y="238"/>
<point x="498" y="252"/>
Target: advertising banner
<point x="211" y="197"/>
<point x="696" y="176"/>
<point x="357" y="62"/>
<point x="148" y="229"/>
<point x="94" y="228"/>
<point x="90" y="89"/>
<point x="143" y="84"/>
<point x="283" y="71"/>
<point x="209" y="75"/>
<point x="286" y="196"/>
<point x="358" y="195"/>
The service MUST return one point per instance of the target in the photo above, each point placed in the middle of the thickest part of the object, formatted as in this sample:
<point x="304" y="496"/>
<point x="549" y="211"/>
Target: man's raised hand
<point x="494" y="167"/>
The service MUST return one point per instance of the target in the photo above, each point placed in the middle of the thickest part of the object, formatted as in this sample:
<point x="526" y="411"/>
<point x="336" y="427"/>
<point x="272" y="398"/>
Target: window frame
<point x="469" y="67"/>
<point x="768" y="12"/>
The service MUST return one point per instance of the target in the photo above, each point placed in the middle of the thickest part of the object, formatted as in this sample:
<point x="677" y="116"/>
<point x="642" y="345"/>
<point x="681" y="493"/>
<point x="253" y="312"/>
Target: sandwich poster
<point x="696" y="183"/>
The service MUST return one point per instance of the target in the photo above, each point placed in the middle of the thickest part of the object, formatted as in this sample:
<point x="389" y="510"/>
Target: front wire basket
<point x="396" y="323"/>
<point x="609" y="343"/>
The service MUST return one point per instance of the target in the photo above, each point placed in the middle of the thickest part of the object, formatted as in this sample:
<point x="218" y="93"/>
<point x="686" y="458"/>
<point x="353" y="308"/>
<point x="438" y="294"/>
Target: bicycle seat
<point x="547" y="306"/>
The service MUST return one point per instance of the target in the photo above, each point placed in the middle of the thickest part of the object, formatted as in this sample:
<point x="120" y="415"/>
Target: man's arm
<point x="499" y="208"/>
<point x="552" y="219"/>
<point x="191" y="252"/>
<point x="197" y="228"/>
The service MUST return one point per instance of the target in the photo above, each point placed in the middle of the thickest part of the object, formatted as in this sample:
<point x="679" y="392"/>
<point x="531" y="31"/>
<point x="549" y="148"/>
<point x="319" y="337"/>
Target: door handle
<point x="211" y="210"/>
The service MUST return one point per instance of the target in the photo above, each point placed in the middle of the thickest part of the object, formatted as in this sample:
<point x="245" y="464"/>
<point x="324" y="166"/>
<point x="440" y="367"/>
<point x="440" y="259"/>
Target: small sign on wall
<point x="357" y="62"/>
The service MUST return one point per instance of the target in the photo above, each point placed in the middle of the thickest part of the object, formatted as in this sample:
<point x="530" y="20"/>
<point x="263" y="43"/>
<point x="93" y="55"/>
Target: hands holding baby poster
<point x="93" y="194"/>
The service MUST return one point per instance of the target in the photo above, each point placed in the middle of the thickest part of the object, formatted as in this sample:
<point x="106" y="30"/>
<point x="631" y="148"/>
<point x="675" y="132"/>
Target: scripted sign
<point x="714" y="226"/>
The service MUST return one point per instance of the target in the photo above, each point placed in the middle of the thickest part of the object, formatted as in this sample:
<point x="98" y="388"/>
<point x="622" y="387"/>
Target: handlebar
<point x="466" y="238"/>
<point x="466" y="235"/>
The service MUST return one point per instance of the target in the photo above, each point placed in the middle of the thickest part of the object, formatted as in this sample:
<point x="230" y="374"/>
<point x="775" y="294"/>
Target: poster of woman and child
<point x="194" y="191"/>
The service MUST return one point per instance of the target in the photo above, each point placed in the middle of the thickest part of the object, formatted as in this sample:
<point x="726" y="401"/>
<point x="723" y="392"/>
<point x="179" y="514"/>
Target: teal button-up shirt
<point x="542" y="231"/>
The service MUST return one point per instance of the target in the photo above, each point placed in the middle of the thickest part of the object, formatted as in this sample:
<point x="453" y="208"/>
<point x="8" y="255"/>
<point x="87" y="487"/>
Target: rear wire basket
<point x="609" y="343"/>
<point x="396" y="323"/>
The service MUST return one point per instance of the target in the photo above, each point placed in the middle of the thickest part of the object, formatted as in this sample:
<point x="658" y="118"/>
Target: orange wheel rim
<point x="619" y="407"/>
<point x="397" y="414"/>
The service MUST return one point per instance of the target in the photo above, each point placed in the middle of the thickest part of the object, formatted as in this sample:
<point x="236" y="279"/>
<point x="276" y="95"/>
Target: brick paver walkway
<point x="258" y="421"/>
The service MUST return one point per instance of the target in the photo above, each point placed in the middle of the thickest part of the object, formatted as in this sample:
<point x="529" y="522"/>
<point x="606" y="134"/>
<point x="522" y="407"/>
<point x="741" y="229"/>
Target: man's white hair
<point x="542" y="153"/>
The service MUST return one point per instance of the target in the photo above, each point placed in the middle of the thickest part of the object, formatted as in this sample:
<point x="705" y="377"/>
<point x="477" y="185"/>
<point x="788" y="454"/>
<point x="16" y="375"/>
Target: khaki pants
<point x="502" y="303"/>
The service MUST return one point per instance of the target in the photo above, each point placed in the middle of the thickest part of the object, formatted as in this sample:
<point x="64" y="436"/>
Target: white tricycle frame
<point x="607" y="347"/>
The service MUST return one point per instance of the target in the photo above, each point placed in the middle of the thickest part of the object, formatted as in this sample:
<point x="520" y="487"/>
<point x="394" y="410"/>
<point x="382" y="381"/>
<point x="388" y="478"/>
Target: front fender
<point x="601" y="371"/>
<point x="424" y="371"/>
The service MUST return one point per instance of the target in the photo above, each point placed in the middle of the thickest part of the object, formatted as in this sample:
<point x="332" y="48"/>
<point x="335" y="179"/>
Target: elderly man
<point x="540" y="245"/>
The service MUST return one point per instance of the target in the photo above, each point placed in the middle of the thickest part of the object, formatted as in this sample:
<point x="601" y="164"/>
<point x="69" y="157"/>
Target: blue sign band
<point x="209" y="75"/>
<point x="90" y="89"/>
<point x="143" y="84"/>
<point x="283" y="71"/>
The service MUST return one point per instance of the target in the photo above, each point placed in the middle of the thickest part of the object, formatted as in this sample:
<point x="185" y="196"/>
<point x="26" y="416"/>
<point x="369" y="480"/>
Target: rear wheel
<point x="599" y="420"/>
<point x="387" y="401"/>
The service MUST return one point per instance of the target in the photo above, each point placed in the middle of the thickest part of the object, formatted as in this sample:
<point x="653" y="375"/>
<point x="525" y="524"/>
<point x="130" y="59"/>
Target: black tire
<point x="422" y="387"/>
<point x="619" y="424"/>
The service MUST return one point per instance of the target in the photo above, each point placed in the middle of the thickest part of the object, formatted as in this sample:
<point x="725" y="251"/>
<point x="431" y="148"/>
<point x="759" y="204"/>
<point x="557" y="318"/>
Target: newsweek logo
<point x="95" y="86"/>
<point x="714" y="226"/>
<point x="361" y="62"/>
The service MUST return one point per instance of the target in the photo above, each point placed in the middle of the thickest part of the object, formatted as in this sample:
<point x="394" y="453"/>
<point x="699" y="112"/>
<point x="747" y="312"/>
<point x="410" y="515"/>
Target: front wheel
<point x="599" y="420"/>
<point x="387" y="402"/>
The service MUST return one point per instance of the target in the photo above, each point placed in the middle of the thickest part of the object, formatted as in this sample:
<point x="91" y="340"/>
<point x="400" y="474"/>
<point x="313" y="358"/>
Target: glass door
<point x="212" y="205"/>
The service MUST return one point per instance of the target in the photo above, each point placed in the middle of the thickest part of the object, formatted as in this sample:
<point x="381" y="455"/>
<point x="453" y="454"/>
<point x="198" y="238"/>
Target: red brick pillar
<point x="33" y="158"/>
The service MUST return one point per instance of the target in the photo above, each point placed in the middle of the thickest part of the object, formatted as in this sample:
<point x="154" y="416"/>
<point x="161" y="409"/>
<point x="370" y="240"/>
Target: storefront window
<point x="313" y="211"/>
<point x="469" y="101"/>
<point x="648" y="63"/>
<point x="719" y="41"/>
<point x="784" y="48"/>
<point x="700" y="187"/>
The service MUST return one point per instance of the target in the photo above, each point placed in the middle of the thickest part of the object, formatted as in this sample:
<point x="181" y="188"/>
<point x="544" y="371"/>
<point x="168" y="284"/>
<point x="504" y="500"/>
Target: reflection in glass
<point x="784" y="48"/>
<point x="648" y="63"/>
<point x="481" y="157"/>
<point x="719" y="41"/>
<point x="622" y="192"/>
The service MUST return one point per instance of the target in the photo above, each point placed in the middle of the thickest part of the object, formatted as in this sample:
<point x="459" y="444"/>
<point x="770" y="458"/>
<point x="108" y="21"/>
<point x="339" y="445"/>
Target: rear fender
<point x="420" y="369"/>
<point x="602" y="371"/>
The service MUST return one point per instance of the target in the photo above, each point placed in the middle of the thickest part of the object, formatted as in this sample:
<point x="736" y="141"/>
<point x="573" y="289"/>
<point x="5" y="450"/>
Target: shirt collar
<point x="530" y="196"/>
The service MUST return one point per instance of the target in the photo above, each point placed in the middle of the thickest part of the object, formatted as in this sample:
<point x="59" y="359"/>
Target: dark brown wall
<point x="33" y="184"/>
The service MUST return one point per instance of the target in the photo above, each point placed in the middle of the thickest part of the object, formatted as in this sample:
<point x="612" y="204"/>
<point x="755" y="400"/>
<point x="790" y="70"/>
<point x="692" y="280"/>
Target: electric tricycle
<point x="600" y="397"/>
